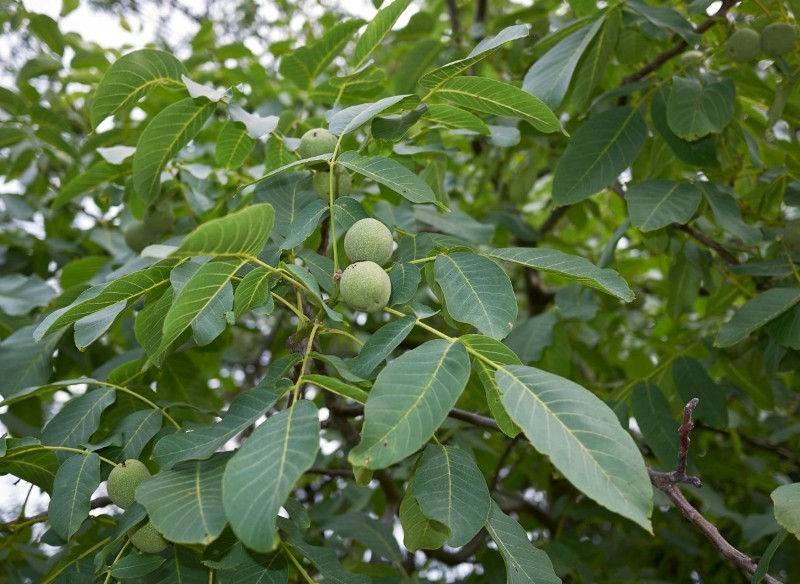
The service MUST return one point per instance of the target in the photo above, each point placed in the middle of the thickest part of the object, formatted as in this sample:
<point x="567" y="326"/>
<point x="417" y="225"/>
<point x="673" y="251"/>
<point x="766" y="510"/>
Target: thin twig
<point x="710" y="243"/>
<point x="40" y="517"/>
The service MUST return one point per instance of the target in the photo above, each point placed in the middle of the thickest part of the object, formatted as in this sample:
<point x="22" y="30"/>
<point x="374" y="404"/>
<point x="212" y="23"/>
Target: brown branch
<point x="710" y="243"/>
<point x="455" y="24"/>
<point x="351" y="411"/>
<point x="681" y="45"/>
<point x="39" y="518"/>
<point x="462" y="554"/>
<point x="667" y="482"/>
<point x="552" y="220"/>
<point x="495" y="482"/>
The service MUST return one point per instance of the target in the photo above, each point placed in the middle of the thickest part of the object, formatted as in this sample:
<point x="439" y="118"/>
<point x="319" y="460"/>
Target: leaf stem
<point x="78" y="451"/>
<point x="297" y="564"/>
<point x="150" y="403"/>
<point x="304" y="362"/>
<point x="116" y="559"/>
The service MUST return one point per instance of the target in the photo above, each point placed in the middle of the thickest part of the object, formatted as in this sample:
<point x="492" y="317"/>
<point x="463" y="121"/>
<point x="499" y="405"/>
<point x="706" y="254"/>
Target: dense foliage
<point x="595" y="215"/>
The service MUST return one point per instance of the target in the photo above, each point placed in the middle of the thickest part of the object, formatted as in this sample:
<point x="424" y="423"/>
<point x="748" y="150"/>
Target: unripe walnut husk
<point x="744" y="45"/>
<point x="148" y="539"/>
<point x="368" y="240"/>
<point x="341" y="182"/>
<point x="365" y="286"/>
<point x="124" y="479"/>
<point x="159" y="218"/>
<point x="138" y="236"/>
<point x="778" y="39"/>
<point x="315" y="142"/>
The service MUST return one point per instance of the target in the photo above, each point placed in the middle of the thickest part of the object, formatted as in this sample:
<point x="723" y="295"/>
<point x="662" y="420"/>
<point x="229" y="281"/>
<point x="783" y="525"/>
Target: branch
<point x="351" y="411"/>
<point x="710" y="243"/>
<point x="39" y="518"/>
<point x="681" y="45"/>
<point x="668" y="482"/>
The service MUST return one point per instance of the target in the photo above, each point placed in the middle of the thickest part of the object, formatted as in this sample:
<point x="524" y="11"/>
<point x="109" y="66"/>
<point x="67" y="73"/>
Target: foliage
<point x="591" y="229"/>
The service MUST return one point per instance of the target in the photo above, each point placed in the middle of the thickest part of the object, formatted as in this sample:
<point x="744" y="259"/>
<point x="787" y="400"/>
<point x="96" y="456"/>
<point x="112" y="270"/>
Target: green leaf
<point x="169" y="131"/>
<point x="244" y="232"/>
<point x="326" y="561"/>
<point x="135" y="566"/>
<point x="20" y="294"/>
<point x="234" y="145"/>
<point x="252" y="291"/>
<point x="263" y="473"/>
<point x="137" y="429"/>
<point x="389" y="173"/>
<point x="272" y="569"/>
<point x="728" y="214"/>
<point x="377" y="30"/>
<point x="593" y="66"/>
<point x="75" y="423"/>
<point x="695" y="110"/>
<point x="405" y="279"/>
<point x="599" y="151"/>
<point x="654" y="204"/>
<point x="92" y="327"/>
<point x="550" y="76"/>
<point x="486" y="47"/>
<point x="419" y="532"/>
<point x="501" y="99"/>
<point x="30" y="462"/>
<point x="131" y="77"/>
<point x="698" y="153"/>
<point x="766" y="558"/>
<point x="414" y="63"/>
<point x="201" y="291"/>
<point x="410" y="399"/>
<point x="668" y="18"/>
<point x="305" y="64"/>
<point x="305" y="224"/>
<point x="338" y="387"/>
<point x="352" y="118"/>
<point x="124" y="289"/>
<point x="202" y="442"/>
<point x="755" y="313"/>
<point x="312" y="287"/>
<point x="77" y="478"/>
<point x="655" y="420"/>
<point x="691" y="380"/>
<point x="498" y="353"/>
<point x="371" y="533"/>
<point x="455" y="117"/>
<point x="786" y="328"/>
<point x="525" y="562"/>
<point x="24" y="362"/>
<point x="380" y="345"/>
<point x="99" y="173"/>
<point x="572" y="267"/>
<point x="185" y="503"/>
<point x="450" y="489"/>
<point x="395" y="127"/>
<point x="787" y="507"/>
<point x="582" y="437"/>
<point x="477" y="291"/>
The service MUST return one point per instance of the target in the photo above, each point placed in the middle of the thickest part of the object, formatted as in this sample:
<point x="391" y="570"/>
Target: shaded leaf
<point x="572" y="267"/>
<point x="532" y="336"/>
<point x="25" y="363"/>
<point x="654" y="204"/>
<point x="338" y="387"/>
<point x="263" y="473"/>
<point x="99" y="173"/>
<point x="655" y="421"/>
<point x="371" y="533"/>
<point x="30" y="462"/>
<point x="582" y="437"/>
<point x="78" y="419"/>
<point x="420" y="532"/>
<point x="450" y="489"/>
<point x="352" y="118"/>
<point x="380" y="345"/>
<point x="233" y="146"/>
<point x="77" y="478"/>
<point x="377" y="30"/>
<point x="755" y="313"/>
<point x="695" y="110"/>
<point x="597" y="153"/>
<point x="185" y="503"/>
<point x="410" y="399"/>
<point x="405" y="279"/>
<point x="455" y="117"/>
<point x="477" y="291"/>
<point x="135" y="565"/>
<point x="787" y="507"/>
<point x="305" y="224"/>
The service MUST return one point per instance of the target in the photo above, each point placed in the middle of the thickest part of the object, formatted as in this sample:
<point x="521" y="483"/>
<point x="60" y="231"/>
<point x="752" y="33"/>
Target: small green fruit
<point x="365" y="286"/>
<point x="691" y="58"/>
<point x="342" y="182"/>
<point x="315" y="142"/>
<point x="778" y="38"/>
<point x="368" y="240"/>
<point x="744" y="45"/>
<point x="148" y="539"/>
<point x="138" y="236"/>
<point x="159" y="218"/>
<point x="124" y="479"/>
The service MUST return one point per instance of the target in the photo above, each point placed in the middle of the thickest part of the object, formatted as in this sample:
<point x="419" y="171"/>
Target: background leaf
<point x="756" y="313"/>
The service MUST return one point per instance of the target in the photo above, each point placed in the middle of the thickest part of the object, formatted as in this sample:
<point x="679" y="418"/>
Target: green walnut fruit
<point x="744" y="45"/>
<point x="124" y="479"/>
<point x="159" y="218"/>
<point x="342" y="182"/>
<point x="148" y="540"/>
<point x="368" y="240"/>
<point x="315" y="142"/>
<point x="365" y="286"/>
<point x="138" y="236"/>
<point x="692" y="58"/>
<point x="778" y="38"/>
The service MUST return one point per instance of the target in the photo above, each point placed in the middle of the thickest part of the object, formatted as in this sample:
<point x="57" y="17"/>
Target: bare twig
<point x="710" y="243"/>
<point x="668" y="482"/>
<point x="351" y="411"/>
<point x="39" y="518"/>
<point x="455" y="24"/>
<point x="681" y="45"/>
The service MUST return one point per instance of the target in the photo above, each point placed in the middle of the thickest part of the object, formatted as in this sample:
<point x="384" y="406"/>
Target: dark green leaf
<point x="695" y="110"/>
<point x="755" y="313"/>
<point x="77" y="478"/>
<point x="380" y="345"/>
<point x="655" y="204"/>
<point x="389" y="173"/>
<point x="658" y="426"/>
<point x="78" y="419"/>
